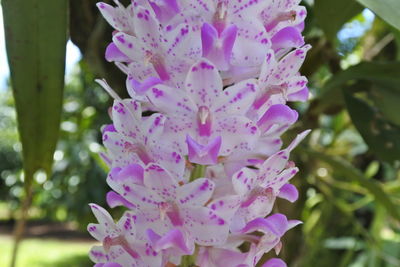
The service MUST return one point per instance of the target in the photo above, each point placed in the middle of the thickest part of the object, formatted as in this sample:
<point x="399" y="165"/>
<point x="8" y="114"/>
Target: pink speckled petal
<point x="253" y="207"/>
<point x="225" y="206"/>
<point x="277" y="181"/>
<point x="206" y="227"/>
<point x="237" y="99"/>
<point x="203" y="83"/>
<point x="267" y="69"/>
<point x="171" y="101"/>
<point x="295" y="85"/>
<point x="246" y="9"/>
<point x="117" y="17"/>
<point x="126" y="118"/>
<point x="119" y="149"/>
<point x="238" y="134"/>
<point x="290" y="65"/>
<point x="274" y="165"/>
<point x="129" y="46"/>
<point x="102" y="216"/>
<point x="136" y="194"/>
<point x="153" y="127"/>
<point x="98" y="255"/>
<point x="243" y="181"/>
<point x="250" y="46"/>
<point x="148" y="29"/>
<point x="160" y="181"/>
<point x="195" y="193"/>
<point x="127" y="224"/>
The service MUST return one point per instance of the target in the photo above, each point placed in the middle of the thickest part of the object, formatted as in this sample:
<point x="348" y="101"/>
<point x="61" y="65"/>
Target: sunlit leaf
<point x="388" y="10"/>
<point x="331" y="15"/>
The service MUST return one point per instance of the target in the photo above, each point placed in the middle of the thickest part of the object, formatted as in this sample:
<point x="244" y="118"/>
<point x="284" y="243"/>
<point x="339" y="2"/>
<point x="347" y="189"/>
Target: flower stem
<point x="198" y="172"/>
<point x="188" y="261"/>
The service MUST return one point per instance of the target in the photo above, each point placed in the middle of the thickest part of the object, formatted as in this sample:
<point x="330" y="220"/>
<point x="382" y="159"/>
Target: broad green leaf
<point x="385" y="73"/>
<point x="385" y="78"/>
<point x="36" y="35"/>
<point x="331" y="15"/>
<point x="382" y="137"/>
<point x="378" y="125"/>
<point x="387" y="100"/>
<point x="350" y="172"/>
<point x="388" y="10"/>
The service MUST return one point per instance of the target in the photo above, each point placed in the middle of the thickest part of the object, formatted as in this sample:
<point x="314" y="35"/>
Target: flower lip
<point x="204" y="121"/>
<point x="120" y="240"/>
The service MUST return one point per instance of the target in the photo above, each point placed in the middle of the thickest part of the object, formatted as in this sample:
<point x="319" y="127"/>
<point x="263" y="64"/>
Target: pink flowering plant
<point x="200" y="175"/>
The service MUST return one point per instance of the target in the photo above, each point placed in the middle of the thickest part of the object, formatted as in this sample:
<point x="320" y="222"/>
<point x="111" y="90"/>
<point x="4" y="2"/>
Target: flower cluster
<point x="195" y="153"/>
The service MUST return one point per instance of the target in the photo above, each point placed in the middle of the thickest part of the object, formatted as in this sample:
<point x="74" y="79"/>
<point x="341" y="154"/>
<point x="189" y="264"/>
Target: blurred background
<point x="349" y="181"/>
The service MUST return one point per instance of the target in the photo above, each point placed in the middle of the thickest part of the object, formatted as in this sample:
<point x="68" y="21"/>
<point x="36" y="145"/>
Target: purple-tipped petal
<point x="293" y="223"/>
<point x="165" y="10"/>
<point x="276" y="224"/>
<point x="278" y="116"/>
<point x="108" y="128"/>
<point x="289" y="192"/>
<point x="141" y="88"/>
<point x="115" y="200"/>
<point x="133" y="173"/>
<point x="301" y="95"/>
<point x="287" y="38"/>
<point x="173" y="239"/>
<point x="114" y="54"/>
<point x="274" y="262"/>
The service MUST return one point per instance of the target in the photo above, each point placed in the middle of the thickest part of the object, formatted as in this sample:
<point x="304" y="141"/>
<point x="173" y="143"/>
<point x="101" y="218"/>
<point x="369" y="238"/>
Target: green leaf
<point x="331" y="15"/>
<point x="383" y="79"/>
<point x="36" y="35"/>
<point x="350" y="172"/>
<point x="387" y="100"/>
<point x="388" y="10"/>
<point x="382" y="137"/>
<point x="384" y="73"/>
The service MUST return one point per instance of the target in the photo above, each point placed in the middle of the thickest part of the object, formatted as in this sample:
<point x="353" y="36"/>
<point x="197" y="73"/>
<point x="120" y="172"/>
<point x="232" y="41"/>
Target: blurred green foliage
<point x="52" y="253"/>
<point x="350" y="165"/>
<point x="78" y="173"/>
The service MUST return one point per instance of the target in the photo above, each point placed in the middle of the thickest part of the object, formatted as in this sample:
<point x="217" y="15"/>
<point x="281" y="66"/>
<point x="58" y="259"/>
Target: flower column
<point x="201" y="174"/>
